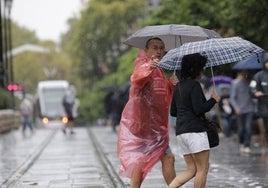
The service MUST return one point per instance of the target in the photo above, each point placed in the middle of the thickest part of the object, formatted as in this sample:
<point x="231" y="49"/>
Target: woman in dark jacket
<point x="189" y="105"/>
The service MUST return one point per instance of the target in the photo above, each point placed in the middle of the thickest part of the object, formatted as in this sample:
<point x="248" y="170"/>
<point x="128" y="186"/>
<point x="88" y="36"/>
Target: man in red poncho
<point x="143" y="137"/>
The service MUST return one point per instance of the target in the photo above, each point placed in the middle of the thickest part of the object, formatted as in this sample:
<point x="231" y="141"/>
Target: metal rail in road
<point x="27" y="163"/>
<point x="66" y="161"/>
<point x="106" y="164"/>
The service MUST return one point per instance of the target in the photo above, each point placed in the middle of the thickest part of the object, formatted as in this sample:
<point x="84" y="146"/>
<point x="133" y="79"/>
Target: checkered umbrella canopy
<point x="218" y="51"/>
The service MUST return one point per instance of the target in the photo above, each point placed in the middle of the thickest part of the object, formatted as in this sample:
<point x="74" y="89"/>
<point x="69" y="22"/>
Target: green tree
<point x="29" y="67"/>
<point x="94" y="41"/>
<point x="245" y="18"/>
<point x="97" y="43"/>
<point x="32" y="67"/>
<point x="249" y="20"/>
<point x="206" y="14"/>
<point x="92" y="101"/>
<point x="22" y="35"/>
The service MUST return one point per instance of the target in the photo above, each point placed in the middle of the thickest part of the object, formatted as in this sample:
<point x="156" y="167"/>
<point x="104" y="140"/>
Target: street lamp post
<point x="9" y="58"/>
<point x="6" y="67"/>
<point x="2" y="68"/>
<point x="9" y="49"/>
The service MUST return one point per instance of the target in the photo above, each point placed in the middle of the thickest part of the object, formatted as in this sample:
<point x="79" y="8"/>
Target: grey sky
<point x="46" y="17"/>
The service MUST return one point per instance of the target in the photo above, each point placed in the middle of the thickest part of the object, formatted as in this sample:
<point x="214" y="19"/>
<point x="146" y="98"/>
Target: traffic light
<point x="15" y="87"/>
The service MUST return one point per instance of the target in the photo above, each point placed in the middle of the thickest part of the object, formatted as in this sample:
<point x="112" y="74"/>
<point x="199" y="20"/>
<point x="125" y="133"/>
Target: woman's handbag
<point x="212" y="129"/>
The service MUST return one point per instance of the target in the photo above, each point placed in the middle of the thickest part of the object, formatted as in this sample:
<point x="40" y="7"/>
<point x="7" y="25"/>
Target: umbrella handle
<point x="212" y="75"/>
<point x="174" y="72"/>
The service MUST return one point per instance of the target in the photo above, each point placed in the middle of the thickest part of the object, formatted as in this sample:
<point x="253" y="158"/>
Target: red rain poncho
<point x="143" y="135"/>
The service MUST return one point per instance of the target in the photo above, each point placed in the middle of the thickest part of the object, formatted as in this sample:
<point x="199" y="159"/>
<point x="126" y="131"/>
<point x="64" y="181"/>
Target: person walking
<point x="143" y="136"/>
<point x="189" y="105"/>
<point x="244" y="106"/>
<point x="226" y="112"/>
<point x="68" y="103"/>
<point x="259" y="89"/>
<point x="26" y="110"/>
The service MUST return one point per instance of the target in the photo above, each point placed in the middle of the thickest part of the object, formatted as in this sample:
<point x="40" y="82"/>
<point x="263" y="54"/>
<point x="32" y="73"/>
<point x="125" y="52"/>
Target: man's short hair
<point x="153" y="38"/>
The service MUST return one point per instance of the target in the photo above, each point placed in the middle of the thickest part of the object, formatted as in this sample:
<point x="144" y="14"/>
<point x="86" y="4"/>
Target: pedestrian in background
<point x="244" y="106"/>
<point x="189" y="105"/>
<point x="226" y="111"/>
<point x="143" y="137"/>
<point x="259" y="89"/>
<point x="26" y="110"/>
<point x="109" y="106"/>
<point x="114" y="103"/>
<point x="68" y="103"/>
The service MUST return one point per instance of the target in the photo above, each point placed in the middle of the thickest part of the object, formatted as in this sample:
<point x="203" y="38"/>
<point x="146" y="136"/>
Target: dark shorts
<point x="70" y="118"/>
<point x="69" y="114"/>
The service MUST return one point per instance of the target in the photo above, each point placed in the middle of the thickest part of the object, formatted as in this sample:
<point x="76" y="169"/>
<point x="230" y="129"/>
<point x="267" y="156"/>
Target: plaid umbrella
<point x="218" y="51"/>
<point x="173" y="35"/>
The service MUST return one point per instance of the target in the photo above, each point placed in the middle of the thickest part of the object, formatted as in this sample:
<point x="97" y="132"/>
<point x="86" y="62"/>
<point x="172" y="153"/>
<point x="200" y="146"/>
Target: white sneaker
<point x="263" y="150"/>
<point x="242" y="148"/>
<point x="247" y="150"/>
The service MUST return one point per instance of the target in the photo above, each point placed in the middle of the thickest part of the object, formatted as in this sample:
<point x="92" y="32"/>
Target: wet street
<point x="48" y="158"/>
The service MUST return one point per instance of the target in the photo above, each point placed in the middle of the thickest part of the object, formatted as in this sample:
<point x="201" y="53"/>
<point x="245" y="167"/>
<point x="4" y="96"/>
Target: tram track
<point x="108" y="168"/>
<point x="107" y="174"/>
<point x="22" y="169"/>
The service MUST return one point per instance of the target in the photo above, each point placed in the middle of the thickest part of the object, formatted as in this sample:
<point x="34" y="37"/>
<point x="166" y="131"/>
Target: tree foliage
<point x="22" y="35"/>
<point x="29" y="67"/>
<point x="245" y="18"/>
<point x="249" y="20"/>
<point x="97" y="44"/>
<point x="32" y="67"/>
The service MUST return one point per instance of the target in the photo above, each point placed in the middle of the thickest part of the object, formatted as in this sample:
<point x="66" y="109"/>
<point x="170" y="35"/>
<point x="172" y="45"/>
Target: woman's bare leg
<point x="186" y="175"/>
<point x="201" y="161"/>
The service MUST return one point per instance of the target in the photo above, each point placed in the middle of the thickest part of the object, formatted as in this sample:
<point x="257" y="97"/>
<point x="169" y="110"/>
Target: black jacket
<point x="188" y="105"/>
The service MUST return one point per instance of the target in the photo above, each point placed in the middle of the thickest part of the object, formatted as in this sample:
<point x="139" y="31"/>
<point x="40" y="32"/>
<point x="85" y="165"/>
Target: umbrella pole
<point x="180" y="41"/>
<point x="212" y="75"/>
<point x="217" y="110"/>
